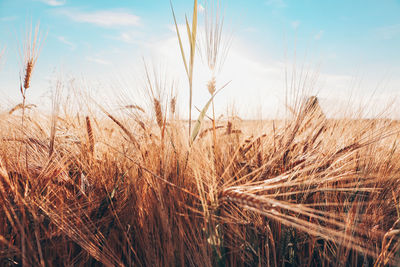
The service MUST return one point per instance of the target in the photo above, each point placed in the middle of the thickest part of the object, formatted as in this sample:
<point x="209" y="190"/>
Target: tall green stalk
<point x="192" y="42"/>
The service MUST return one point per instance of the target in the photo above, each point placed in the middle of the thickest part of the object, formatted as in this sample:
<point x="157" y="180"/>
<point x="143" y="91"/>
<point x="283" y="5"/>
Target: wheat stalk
<point x="158" y="112"/>
<point x="173" y="105"/>
<point x="192" y="34"/>
<point x="30" y="51"/>
<point x="90" y="135"/>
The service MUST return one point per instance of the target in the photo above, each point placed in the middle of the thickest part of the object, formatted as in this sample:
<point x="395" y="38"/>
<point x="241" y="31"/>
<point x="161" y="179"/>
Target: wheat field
<point x="145" y="187"/>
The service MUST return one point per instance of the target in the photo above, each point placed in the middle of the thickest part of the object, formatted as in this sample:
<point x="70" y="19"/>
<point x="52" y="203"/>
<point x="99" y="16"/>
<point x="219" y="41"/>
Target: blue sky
<point x="352" y="45"/>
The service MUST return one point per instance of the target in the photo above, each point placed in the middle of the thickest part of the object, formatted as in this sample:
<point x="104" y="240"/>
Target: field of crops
<point x="146" y="187"/>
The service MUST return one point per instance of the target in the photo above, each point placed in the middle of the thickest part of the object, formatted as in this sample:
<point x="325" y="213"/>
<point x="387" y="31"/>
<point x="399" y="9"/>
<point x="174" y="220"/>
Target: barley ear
<point x="158" y="111"/>
<point x="90" y="135"/>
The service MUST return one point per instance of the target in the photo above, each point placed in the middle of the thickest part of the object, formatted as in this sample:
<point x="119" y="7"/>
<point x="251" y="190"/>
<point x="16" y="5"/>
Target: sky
<point x="346" y="52"/>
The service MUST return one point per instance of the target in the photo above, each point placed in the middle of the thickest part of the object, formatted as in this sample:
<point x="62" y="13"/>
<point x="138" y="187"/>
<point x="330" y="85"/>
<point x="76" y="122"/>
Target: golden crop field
<point x="139" y="187"/>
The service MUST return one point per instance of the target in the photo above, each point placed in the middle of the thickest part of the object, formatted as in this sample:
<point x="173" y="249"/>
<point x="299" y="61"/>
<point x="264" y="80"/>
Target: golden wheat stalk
<point x="136" y="107"/>
<point x="20" y="106"/>
<point x="158" y="112"/>
<point x="54" y="116"/>
<point x="173" y="105"/>
<point x="30" y="51"/>
<point x="271" y="208"/>
<point x="90" y="135"/>
<point x="28" y="73"/>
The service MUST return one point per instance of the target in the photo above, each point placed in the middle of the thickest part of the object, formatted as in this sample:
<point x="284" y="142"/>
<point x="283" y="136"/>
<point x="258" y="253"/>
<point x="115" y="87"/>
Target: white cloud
<point x="319" y="35"/>
<point x="63" y="40"/>
<point x="105" y="18"/>
<point x="389" y="32"/>
<point x="126" y="37"/>
<point x="54" y="2"/>
<point x="97" y="60"/>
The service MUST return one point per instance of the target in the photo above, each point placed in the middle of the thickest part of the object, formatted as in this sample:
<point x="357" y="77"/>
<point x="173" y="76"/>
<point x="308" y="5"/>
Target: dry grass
<point x="310" y="197"/>
<point x="133" y="188"/>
